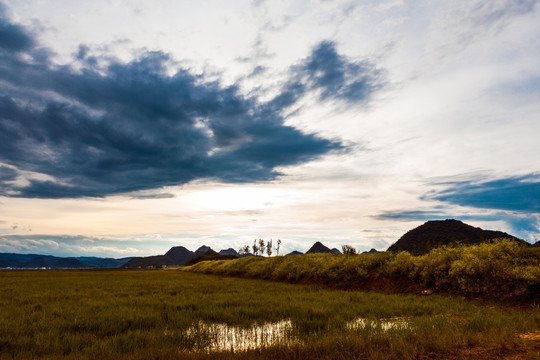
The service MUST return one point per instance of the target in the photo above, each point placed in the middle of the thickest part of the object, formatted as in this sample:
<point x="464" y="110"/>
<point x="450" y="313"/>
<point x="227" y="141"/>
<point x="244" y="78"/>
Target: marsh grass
<point x="134" y="314"/>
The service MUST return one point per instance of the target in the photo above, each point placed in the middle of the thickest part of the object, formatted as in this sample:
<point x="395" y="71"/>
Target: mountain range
<point x="179" y="255"/>
<point x="38" y="261"/>
<point x="419" y="240"/>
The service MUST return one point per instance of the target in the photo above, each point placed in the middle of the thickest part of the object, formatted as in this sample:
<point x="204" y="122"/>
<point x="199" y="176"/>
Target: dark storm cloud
<point x="523" y="224"/>
<point x="7" y="174"/>
<point x="446" y="213"/>
<point x="13" y="37"/>
<point x="257" y="71"/>
<point x="335" y="77"/>
<point x="411" y="215"/>
<point x="124" y="127"/>
<point x="513" y="200"/>
<point x="520" y="193"/>
<point x="152" y="196"/>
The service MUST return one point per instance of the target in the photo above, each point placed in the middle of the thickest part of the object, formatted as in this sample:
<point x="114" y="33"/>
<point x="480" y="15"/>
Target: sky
<point x="128" y="127"/>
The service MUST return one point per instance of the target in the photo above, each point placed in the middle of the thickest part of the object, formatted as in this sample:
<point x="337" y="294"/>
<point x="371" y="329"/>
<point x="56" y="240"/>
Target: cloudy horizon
<point x="130" y="127"/>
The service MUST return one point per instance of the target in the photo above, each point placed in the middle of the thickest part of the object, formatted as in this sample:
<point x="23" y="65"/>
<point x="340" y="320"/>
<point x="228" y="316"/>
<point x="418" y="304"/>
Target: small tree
<point x="244" y="251"/>
<point x="277" y="247"/>
<point x="261" y="246"/>
<point x="269" y="247"/>
<point x="255" y="247"/>
<point x="348" y="250"/>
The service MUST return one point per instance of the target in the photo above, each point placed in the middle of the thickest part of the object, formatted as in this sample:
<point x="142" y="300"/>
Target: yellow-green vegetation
<point x="503" y="270"/>
<point x="156" y="314"/>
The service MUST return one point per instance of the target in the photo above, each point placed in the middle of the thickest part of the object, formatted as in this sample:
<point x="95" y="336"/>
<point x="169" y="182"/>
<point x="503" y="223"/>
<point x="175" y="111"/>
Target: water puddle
<point x="222" y="337"/>
<point x="386" y="325"/>
<point x="215" y="337"/>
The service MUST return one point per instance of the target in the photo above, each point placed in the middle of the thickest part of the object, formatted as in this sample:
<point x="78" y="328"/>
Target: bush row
<point x="502" y="270"/>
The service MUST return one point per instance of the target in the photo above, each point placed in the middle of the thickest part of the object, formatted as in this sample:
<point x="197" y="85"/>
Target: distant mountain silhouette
<point x="203" y="249"/>
<point x="229" y="251"/>
<point x="210" y="255"/>
<point x="68" y="263"/>
<point x="295" y="253"/>
<point x="155" y="261"/>
<point x="536" y="244"/>
<point x="436" y="233"/>
<point x="37" y="261"/>
<point x="372" y="251"/>
<point x="10" y="263"/>
<point x="335" y="251"/>
<point x="180" y="255"/>
<point x="104" y="263"/>
<point x="319" y="248"/>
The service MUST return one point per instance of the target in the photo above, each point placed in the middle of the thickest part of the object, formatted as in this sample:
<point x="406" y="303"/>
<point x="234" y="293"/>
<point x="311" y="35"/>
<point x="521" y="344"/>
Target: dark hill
<point x="26" y="261"/>
<point x="295" y="252"/>
<point x="180" y="255"/>
<point x="372" y="251"/>
<point x="67" y="263"/>
<point x="202" y="250"/>
<point x="229" y="251"/>
<point x="105" y="262"/>
<point x="436" y="233"/>
<point x="319" y="248"/>
<point x="335" y="251"/>
<point x="36" y="263"/>
<point x="210" y="255"/>
<point x="87" y="259"/>
<point x="156" y="261"/>
<point x="177" y="255"/>
<point x="10" y="263"/>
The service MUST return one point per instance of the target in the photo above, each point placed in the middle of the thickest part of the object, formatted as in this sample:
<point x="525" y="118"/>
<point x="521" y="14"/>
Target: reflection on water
<point x="224" y="337"/>
<point x="215" y="337"/>
<point x="390" y="324"/>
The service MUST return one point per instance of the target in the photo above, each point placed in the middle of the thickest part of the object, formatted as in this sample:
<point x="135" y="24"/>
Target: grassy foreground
<point x="137" y="314"/>
<point x="500" y="271"/>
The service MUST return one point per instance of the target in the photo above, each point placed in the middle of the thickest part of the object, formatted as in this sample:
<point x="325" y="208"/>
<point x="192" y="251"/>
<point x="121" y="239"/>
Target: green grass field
<point x="137" y="314"/>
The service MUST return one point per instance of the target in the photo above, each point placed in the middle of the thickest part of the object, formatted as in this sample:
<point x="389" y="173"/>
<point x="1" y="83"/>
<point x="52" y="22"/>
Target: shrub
<point x="499" y="270"/>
